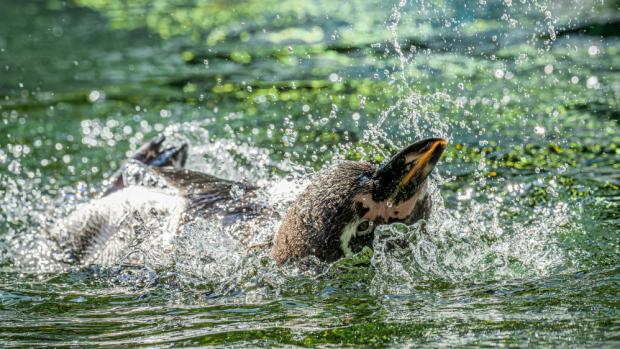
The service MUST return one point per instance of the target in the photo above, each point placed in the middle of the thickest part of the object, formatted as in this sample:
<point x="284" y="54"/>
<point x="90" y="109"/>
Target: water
<point x="524" y="249"/>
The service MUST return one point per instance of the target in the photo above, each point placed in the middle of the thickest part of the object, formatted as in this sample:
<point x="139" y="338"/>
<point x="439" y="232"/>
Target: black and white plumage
<point x="335" y="216"/>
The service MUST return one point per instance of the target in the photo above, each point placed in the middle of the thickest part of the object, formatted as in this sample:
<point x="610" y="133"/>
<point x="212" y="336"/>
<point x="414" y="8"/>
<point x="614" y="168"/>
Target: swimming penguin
<point x="333" y="217"/>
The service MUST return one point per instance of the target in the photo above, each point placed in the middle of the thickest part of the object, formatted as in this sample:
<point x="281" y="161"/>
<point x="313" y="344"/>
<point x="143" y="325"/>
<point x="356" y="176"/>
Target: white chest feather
<point x="351" y="231"/>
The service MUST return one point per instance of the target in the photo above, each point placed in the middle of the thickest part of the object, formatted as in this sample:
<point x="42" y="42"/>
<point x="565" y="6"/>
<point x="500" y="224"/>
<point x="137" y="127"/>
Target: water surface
<point x="525" y="249"/>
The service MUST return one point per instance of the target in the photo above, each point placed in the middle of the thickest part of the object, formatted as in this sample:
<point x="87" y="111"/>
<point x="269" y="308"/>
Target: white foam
<point x="470" y="244"/>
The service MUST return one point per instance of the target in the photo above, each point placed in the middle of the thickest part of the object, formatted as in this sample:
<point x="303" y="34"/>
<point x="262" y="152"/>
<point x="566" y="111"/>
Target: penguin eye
<point x="363" y="226"/>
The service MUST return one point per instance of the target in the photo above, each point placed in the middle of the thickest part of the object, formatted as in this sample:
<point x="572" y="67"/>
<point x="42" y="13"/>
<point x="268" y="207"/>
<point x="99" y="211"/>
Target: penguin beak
<point x="401" y="177"/>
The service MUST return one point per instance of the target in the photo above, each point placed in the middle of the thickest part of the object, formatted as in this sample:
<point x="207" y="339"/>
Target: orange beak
<point x="402" y="176"/>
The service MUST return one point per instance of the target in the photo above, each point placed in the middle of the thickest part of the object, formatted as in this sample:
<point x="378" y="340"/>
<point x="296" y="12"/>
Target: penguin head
<point x="336" y="215"/>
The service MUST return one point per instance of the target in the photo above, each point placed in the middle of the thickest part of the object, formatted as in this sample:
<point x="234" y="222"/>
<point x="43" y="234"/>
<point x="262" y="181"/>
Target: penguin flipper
<point x="152" y="155"/>
<point x="208" y="195"/>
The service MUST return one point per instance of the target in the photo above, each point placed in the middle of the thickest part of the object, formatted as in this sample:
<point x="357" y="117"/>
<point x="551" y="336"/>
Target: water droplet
<point x="592" y="82"/>
<point x="94" y="96"/>
<point x="548" y="69"/>
<point x="593" y="50"/>
<point x="15" y="167"/>
<point x="539" y="130"/>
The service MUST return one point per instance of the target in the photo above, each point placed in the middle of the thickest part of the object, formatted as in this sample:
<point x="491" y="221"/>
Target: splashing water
<point x="521" y="248"/>
<point x="203" y="252"/>
<point x="484" y="237"/>
<point x="475" y="240"/>
<point x="469" y="244"/>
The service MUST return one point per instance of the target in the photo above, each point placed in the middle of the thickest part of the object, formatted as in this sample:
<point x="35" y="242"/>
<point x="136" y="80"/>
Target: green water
<point x="526" y="250"/>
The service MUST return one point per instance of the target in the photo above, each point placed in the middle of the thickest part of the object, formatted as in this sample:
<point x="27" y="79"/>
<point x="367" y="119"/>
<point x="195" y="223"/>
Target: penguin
<point x="333" y="217"/>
